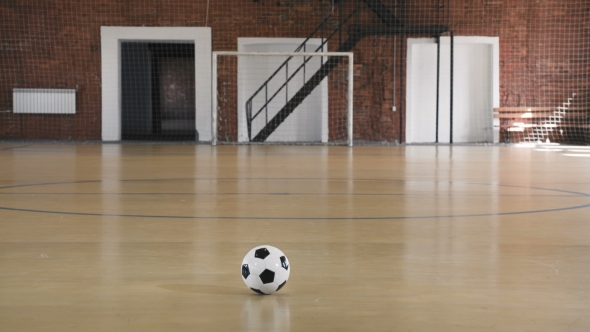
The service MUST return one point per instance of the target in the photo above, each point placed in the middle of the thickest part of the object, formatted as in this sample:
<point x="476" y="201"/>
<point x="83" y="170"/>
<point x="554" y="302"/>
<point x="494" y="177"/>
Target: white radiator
<point x="44" y="101"/>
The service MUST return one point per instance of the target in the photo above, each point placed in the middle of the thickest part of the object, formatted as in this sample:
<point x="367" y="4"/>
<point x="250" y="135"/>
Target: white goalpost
<point x="282" y="98"/>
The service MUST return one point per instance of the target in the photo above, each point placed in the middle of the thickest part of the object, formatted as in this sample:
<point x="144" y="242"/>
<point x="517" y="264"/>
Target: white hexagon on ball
<point x="265" y="269"/>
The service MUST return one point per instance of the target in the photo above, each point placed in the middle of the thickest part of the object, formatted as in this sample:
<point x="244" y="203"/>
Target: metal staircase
<point x="541" y="132"/>
<point x="304" y="91"/>
<point x="391" y="25"/>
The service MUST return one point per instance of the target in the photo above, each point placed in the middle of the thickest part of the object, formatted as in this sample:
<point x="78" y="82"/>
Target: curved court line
<point x="297" y="218"/>
<point x="578" y="194"/>
<point x="291" y="179"/>
<point x="14" y="147"/>
<point x="276" y="194"/>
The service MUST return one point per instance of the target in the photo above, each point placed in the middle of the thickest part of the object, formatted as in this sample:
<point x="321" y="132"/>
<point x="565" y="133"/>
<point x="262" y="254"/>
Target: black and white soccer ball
<point x="265" y="269"/>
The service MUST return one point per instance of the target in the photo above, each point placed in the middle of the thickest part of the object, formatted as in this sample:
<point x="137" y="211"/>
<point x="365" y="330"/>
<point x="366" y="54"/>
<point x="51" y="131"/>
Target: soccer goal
<point x="282" y="98"/>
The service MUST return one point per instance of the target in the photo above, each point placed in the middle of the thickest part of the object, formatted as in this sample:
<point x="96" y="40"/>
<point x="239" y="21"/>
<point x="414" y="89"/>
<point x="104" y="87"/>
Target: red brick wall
<point x="56" y="44"/>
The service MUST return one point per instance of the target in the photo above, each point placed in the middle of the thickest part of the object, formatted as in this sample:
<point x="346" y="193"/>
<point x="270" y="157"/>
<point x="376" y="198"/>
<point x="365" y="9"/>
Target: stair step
<point x="521" y="129"/>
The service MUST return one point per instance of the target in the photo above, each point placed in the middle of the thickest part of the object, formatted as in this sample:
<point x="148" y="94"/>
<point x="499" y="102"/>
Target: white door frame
<point x="494" y="42"/>
<point x="111" y="38"/>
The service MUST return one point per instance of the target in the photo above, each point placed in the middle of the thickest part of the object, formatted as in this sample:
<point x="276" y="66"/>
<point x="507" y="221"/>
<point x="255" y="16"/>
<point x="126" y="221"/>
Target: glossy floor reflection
<point x="150" y="237"/>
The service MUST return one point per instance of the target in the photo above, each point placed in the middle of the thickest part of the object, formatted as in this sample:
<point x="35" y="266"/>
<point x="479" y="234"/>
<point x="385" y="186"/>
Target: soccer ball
<point x="265" y="269"/>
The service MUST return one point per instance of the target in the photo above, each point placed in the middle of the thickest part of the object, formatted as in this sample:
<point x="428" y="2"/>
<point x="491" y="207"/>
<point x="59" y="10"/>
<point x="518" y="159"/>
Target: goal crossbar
<point x="214" y="105"/>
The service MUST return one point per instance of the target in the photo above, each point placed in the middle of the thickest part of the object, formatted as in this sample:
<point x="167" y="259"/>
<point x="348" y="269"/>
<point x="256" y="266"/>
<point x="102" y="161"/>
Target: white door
<point x="475" y="90"/>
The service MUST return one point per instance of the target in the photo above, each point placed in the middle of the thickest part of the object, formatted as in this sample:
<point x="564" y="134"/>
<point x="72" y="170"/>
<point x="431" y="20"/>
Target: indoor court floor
<point x="150" y="237"/>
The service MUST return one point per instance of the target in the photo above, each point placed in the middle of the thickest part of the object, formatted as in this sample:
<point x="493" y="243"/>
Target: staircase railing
<point x="285" y="65"/>
<point x="542" y="131"/>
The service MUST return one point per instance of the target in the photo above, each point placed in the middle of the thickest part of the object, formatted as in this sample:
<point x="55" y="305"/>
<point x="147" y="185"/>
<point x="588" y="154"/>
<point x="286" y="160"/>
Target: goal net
<point x="426" y="71"/>
<point x="282" y="97"/>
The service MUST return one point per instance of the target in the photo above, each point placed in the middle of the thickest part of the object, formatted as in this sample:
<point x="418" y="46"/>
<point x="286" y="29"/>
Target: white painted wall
<point x="309" y="121"/>
<point x="111" y="38"/>
<point x="476" y="90"/>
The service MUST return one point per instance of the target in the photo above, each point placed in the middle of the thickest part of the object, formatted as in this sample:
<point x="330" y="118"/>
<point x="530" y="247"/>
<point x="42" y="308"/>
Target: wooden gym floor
<point x="139" y="237"/>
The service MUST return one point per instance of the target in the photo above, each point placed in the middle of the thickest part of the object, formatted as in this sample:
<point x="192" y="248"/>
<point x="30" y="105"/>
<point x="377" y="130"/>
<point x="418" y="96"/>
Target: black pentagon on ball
<point x="281" y="285"/>
<point x="261" y="253"/>
<point x="284" y="263"/>
<point x="267" y="276"/>
<point x="257" y="291"/>
<point x="245" y="271"/>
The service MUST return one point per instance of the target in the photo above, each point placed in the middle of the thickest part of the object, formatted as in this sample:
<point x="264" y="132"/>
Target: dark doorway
<point x="158" y="91"/>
